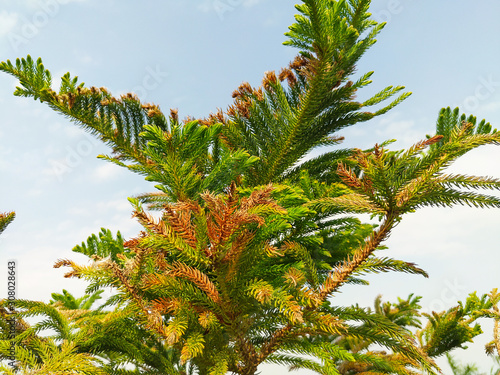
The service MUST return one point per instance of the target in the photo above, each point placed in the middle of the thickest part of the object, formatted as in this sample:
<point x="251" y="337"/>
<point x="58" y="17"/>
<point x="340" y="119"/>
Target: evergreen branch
<point x="102" y="246"/>
<point x="469" y="182"/>
<point x="176" y="155"/>
<point x="277" y="297"/>
<point x="116" y="121"/>
<point x="382" y="95"/>
<point x="279" y="124"/>
<point x="5" y="220"/>
<point x="440" y="196"/>
<point x="323" y="167"/>
<point x="377" y="265"/>
<point x="341" y="273"/>
<point x="348" y="203"/>
<point x="194" y="275"/>
<point x="450" y="120"/>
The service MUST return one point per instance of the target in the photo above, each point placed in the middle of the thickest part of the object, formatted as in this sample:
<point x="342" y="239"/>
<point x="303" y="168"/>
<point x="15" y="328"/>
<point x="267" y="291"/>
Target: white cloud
<point x="404" y="131"/>
<point x="392" y="126"/>
<point x="8" y="20"/>
<point x="251" y="3"/>
<point x="225" y="5"/>
<point x="36" y="4"/>
<point x="107" y="171"/>
<point x="482" y="161"/>
<point x="122" y="205"/>
<point x="491" y="107"/>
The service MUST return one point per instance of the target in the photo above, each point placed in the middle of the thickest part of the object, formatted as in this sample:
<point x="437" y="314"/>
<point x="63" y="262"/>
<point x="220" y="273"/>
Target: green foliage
<point x="351" y="353"/>
<point x="487" y="307"/>
<point x="299" y="110"/>
<point x="5" y="220"/>
<point x="458" y="369"/>
<point x="448" y="330"/>
<point x="252" y="244"/>
<point x="177" y="155"/>
<point x="445" y="331"/>
<point x="68" y="301"/>
<point x="405" y="313"/>
<point x="399" y="182"/>
<point x="450" y="120"/>
<point x="45" y="357"/>
<point x="101" y="341"/>
<point x="453" y="328"/>
<point x="102" y="246"/>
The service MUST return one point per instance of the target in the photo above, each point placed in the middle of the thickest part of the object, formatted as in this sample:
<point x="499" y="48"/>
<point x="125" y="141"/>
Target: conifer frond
<point x="180" y="221"/>
<point x="348" y="203"/>
<point x="55" y="354"/>
<point x="102" y="246"/>
<point x="5" y="219"/>
<point x="170" y="237"/>
<point x="337" y="357"/>
<point x="405" y="180"/>
<point x="175" y="329"/>
<point x="290" y="307"/>
<point x="377" y="265"/>
<point x="404" y="313"/>
<point x="61" y="360"/>
<point x="220" y="366"/>
<point x="450" y="120"/>
<point x="68" y="301"/>
<point x="193" y="346"/>
<point x="177" y="155"/>
<point x="281" y="122"/>
<point x="342" y="271"/>
<point x="117" y="122"/>
<point x="197" y="277"/>
<point x="325" y="322"/>
<point x="322" y="167"/>
<point x="453" y="328"/>
<point x="392" y="184"/>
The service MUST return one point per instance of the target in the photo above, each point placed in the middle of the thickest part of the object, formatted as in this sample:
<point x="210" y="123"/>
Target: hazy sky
<point x="191" y="55"/>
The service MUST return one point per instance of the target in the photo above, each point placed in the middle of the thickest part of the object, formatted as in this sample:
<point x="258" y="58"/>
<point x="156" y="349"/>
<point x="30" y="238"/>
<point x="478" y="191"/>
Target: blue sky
<point x="191" y="55"/>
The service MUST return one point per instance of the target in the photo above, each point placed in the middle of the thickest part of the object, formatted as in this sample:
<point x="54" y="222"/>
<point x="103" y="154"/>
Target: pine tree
<point x="109" y="341"/>
<point x="444" y="332"/>
<point x="35" y="354"/>
<point x="251" y="246"/>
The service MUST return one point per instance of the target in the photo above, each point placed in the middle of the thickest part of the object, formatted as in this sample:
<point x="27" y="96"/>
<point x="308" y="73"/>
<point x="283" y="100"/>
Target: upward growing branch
<point x="280" y="123"/>
<point x="392" y="184"/>
<point x="340" y="274"/>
